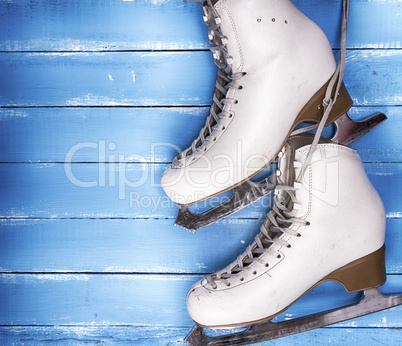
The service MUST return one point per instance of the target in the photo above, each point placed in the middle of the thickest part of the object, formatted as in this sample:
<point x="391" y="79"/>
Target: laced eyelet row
<point x="230" y="80"/>
<point x="277" y="218"/>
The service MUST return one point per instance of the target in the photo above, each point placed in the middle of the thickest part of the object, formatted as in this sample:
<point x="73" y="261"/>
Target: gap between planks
<point x="120" y="273"/>
<point x="156" y="50"/>
<point x="109" y="273"/>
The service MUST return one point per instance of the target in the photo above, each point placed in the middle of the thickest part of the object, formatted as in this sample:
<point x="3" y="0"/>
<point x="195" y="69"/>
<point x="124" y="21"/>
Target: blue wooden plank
<point x="365" y="79"/>
<point x="366" y="21"/>
<point x="159" y="79"/>
<point x="387" y="135"/>
<point x="386" y="183"/>
<point x="84" y="190"/>
<point x="106" y="79"/>
<point x="127" y="190"/>
<point x="140" y="245"/>
<point x="101" y="25"/>
<point x="169" y="335"/>
<point x="87" y="335"/>
<point x="48" y="134"/>
<point x="133" y="25"/>
<point x="153" y="134"/>
<point x="144" y="300"/>
<point x="127" y="246"/>
<point x="100" y="299"/>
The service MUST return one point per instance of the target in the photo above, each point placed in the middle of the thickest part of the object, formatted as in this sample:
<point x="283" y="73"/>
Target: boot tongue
<point x="286" y="169"/>
<point x="287" y="177"/>
<point x="214" y="2"/>
<point x="286" y="162"/>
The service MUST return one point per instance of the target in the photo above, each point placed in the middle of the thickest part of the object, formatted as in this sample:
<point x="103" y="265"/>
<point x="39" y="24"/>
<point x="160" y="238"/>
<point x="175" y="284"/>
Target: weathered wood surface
<point x="137" y="246"/>
<point x="132" y="299"/>
<point x="72" y="25"/>
<point x="162" y="78"/>
<point x="92" y="265"/>
<point x="150" y="134"/>
<point x="128" y="190"/>
<point x="133" y="335"/>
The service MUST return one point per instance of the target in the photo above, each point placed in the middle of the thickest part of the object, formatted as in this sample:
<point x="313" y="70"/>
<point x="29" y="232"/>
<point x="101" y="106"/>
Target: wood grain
<point x="151" y="134"/>
<point x="133" y="335"/>
<point x="86" y="299"/>
<point x="138" y="246"/>
<point x="168" y="24"/>
<point x="127" y="190"/>
<point x="90" y="265"/>
<point x="162" y="78"/>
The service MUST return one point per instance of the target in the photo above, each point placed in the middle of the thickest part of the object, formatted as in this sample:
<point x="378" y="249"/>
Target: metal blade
<point x="347" y="131"/>
<point x="243" y="195"/>
<point x="372" y="301"/>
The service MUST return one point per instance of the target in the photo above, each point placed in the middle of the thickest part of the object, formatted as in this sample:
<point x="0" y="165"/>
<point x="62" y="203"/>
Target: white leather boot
<point x="274" y="64"/>
<point x="329" y="225"/>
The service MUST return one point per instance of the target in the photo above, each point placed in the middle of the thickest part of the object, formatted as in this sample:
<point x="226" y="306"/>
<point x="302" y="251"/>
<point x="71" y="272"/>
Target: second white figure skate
<point x="328" y="223"/>
<point x="274" y="68"/>
<point x="347" y="131"/>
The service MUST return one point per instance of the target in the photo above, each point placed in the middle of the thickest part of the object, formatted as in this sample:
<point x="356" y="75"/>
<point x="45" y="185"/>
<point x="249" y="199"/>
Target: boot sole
<point x="312" y="112"/>
<point x="359" y="275"/>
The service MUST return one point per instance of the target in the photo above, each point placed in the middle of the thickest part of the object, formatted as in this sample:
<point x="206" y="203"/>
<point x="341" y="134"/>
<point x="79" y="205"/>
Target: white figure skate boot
<point x="328" y="223"/>
<point x="274" y="67"/>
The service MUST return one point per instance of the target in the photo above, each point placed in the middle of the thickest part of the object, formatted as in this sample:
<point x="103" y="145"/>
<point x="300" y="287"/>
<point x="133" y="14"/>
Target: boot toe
<point x="210" y="308"/>
<point x="181" y="187"/>
<point x="174" y="185"/>
<point x="200" y="307"/>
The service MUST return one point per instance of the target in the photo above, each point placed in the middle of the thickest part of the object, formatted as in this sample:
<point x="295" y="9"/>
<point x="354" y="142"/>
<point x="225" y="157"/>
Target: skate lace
<point x="281" y="217"/>
<point x="269" y="240"/>
<point x="333" y="88"/>
<point x="226" y="80"/>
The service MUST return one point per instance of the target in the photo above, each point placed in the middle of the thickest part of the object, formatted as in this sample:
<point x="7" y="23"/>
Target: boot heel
<point x="364" y="273"/>
<point x="313" y="111"/>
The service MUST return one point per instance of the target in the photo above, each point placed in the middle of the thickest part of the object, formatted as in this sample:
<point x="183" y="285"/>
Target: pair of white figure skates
<point x="276" y="69"/>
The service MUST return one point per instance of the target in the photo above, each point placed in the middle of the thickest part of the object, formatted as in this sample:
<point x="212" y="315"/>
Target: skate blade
<point x="372" y="301"/>
<point x="243" y="195"/>
<point x="347" y="131"/>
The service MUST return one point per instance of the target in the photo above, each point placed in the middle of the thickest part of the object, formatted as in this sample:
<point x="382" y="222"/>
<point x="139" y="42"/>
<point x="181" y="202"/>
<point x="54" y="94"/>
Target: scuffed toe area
<point x="199" y="307"/>
<point x="234" y="305"/>
<point x="211" y="308"/>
